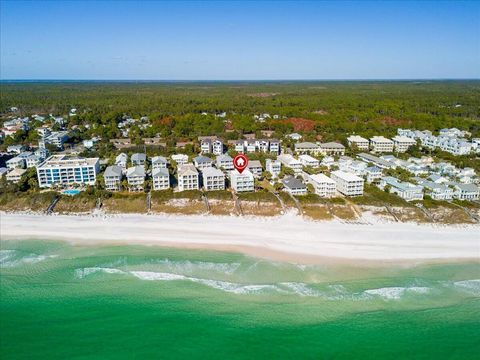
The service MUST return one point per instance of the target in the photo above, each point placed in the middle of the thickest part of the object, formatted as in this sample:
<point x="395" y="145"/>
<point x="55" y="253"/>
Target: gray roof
<point x="332" y="145"/>
<point x="373" y="169"/>
<point x="160" y="172"/>
<point x="467" y="187"/>
<point x="211" y="171"/>
<point x="306" y="145"/>
<point x="202" y="159"/>
<point x="139" y="157"/>
<point x="159" y="159"/>
<point x="187" y="169"/>
<point x="254" y="164"/>
<point x="224" y="157"/>
<point x="113" y="170"/>
<point x="293" y="183"/>
<point x="136" y="171"/>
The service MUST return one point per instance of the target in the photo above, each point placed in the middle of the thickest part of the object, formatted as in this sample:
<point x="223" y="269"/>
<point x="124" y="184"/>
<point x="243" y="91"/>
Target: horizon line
<point x="237" y="80"/>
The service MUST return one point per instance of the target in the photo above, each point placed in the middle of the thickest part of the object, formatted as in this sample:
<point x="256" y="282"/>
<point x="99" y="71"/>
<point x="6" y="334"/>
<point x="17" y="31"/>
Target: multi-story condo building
<point x="66" y="170"/>
<point x="290" y="162"/>
<point x="188" y="178"/>
<point x="113" y="178"/>
<point x="160" y="179"/>
<point x="213" y="179"/>
<point x="348" y="184"/>
<point x="402" y="143"/>
<point x="357" y="141"/>
<point x="381" y="144"/>
<point x="224" y="162"/>
<point x="273" y="167"/>
<point x="159" y="162"/>
<point x="242" y="182"/>
<point x="136" y="178"/>
<point x="405" y="190"/>
<point x="307" y="160"/>
<point x="332" y="148"/>
<point x="323" y="185"/>
<point x="255" y="168"/>
<point x="307" y="148"/>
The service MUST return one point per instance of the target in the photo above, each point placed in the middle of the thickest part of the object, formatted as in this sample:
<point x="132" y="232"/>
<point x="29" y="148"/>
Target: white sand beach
<point x="287" y="237"/>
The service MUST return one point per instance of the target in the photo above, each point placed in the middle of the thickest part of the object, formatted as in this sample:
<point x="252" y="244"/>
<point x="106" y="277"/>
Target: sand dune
<point x="286" y="237"/>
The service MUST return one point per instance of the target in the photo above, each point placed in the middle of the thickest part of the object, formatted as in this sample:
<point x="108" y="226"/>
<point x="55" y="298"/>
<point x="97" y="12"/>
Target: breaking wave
<point x="471" y="286"/>
<point x="10" y="258"/>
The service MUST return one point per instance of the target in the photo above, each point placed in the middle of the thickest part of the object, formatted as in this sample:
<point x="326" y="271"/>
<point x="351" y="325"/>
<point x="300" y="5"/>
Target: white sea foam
<point x="6" y="255"/>
<point x="84" y="272"/>
<point x="150" y="276"/>
<point x="193" y="266"/>
<point x="7" y="258"/>
<point x="302" y="289"/>
<point x="396" y="292"/>
<point x="472" y="286"/>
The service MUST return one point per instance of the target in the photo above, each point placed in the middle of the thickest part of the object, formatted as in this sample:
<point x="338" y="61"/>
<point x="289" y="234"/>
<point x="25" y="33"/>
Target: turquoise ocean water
<point x="111" y="302"/>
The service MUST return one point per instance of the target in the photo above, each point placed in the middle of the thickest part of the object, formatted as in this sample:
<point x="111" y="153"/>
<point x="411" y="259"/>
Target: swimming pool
<point x="71" y="192"/>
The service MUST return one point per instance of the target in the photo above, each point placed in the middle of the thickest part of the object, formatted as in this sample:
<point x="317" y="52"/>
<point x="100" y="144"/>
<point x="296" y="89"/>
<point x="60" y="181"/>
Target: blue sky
<point x="239" y="40"/>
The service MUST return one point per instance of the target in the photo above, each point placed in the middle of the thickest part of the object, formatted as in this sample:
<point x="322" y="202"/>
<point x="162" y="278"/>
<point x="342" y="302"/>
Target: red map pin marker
<point x="240" y="162"/>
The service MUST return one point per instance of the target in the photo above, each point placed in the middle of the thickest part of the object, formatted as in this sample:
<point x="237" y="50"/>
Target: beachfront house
<point x="213" y="179"/>
<point x="358" y="142"/>
<point x="294" y="186"/>
<point x="136" y="178"/>
<point x="225" y="162"/>
<point x="347" y="184"/>
<point x="188" y="178"/>
<point x="242" y="182"/>
<point x="273" y="167"/>
<point x="160" y="178"/>
<point x="112" y="178"/>
<point x="67" y="170"/>
<point x="307" y="160"/>
<point x="402" y="143"/>
<point x="328" y="161"/>
<point x="323" y="185"/>
<point x="290" y="162"/>
<point x="255" y="168"/>
<point x="332" y="148"/>
<point x="438" y="191"/>
<point x="405" y="190"/>
<point x="15" y="175"/>
<point x="159" y="162"/>
<point x="202" y="162"/>
<point x="381" y="144"/>
<point x="466" y="192"/>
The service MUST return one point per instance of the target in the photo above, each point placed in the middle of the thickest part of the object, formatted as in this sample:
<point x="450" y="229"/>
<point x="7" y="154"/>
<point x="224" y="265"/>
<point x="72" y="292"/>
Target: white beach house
<point x="402" y="143"/>
<point x="213" y="179"/>
<point x="160" y="178"/>
<point x="113" y="178"/>
<point x="225" y="162"/>
<point x="273" y="167"/>
<point x="290" y="162"/>
<point x="357" y="141"/>
<point x="159" y="162"/>
<point x="242" y="182"/>
<point x="405" y="190"/>
<point x="348" y="184"/>
<point x="188" y="178"/>
<point x="323" y="185"/>
<point x="308" y="160"/>
<point x="294" y="186"/>
<point x="136" y="178"/>
<point x="381" y="144"/>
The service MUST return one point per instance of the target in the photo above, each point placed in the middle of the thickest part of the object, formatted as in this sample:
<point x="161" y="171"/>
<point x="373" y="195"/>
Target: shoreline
<point x="287" y="238"/>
